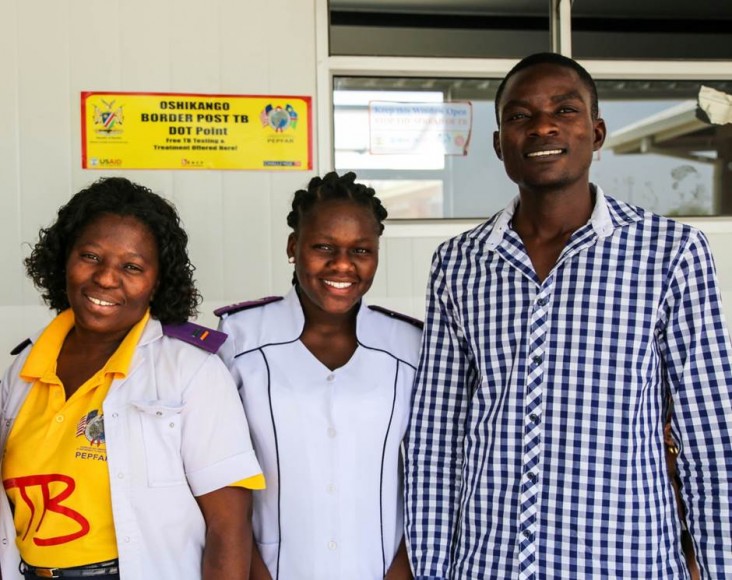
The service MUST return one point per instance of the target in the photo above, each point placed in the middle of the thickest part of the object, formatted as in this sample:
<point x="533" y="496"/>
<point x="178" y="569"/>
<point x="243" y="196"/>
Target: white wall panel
<point x="195" y="47"/>
<point x="43" y="116"/>
<point x="203" y="224"/>
<point x="283" y="188"/>
<point x="143" y="30"/>
<point x="721" y="243"/>
<point x="245" y="227"/>
<point x="52" y="51"/>
<point x="396" y="265"/>
<point x="404" y="267"/>
<point x="11" y="289"/>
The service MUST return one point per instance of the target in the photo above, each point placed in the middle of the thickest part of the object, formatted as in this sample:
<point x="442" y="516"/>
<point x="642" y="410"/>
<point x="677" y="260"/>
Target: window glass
<point x="670" y="29"/>
<point x="443" y="30"/>
<point x="658" y="154"/>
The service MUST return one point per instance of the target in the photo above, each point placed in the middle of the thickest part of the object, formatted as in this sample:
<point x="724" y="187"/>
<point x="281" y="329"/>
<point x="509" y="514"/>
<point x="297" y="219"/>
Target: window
<point x="603" y="29"/>
<point x="658" y="154"/>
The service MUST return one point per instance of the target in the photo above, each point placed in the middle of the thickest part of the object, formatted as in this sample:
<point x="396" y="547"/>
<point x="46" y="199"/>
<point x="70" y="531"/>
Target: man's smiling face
<point x="547" y="133"/>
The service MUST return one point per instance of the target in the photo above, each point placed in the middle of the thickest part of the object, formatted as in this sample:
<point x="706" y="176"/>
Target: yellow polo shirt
<point x="54" y="470"/>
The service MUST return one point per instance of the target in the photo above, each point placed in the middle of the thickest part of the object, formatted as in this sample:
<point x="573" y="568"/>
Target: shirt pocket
<point x="161" y="438"/>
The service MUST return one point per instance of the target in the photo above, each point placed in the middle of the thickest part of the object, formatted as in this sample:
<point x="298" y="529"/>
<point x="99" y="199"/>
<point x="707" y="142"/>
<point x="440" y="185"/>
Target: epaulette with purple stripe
<point x="21" y="347"/>
<point x="206" y="338"/>
<point x="231" y="309"/>
<point x="398" y="315"/>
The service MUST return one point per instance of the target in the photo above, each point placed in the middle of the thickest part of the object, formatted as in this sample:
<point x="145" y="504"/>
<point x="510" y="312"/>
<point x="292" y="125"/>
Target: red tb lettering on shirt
<point x="50" y="504"/>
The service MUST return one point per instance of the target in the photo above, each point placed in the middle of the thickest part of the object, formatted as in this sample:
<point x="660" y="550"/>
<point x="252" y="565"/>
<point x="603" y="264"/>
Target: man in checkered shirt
<point x="555" y="334"/>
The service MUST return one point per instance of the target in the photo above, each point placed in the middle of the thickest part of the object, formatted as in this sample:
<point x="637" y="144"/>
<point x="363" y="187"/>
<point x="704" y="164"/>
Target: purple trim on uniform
<point x="231" y="309"/>
<point x="208" y="339"/>
<point x="18" y="349"/>
<point x="398" y="315"/>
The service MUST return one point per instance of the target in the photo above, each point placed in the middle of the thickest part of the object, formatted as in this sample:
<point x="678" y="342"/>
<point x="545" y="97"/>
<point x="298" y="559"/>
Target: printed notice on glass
<point x="419" y="128"/>
<point x="195" y="131"/>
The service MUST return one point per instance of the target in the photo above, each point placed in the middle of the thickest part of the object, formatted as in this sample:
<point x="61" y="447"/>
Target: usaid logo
<point x="105" y="162"/>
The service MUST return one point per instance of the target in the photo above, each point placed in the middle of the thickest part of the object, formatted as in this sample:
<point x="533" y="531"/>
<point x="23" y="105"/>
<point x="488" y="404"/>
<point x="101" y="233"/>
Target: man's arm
<point x="697" y="353"/>
<point x="434" y="456"/>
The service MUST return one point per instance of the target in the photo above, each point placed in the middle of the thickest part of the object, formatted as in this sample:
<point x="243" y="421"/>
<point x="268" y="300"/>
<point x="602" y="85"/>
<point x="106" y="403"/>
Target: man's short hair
<point x="556" y="59"/>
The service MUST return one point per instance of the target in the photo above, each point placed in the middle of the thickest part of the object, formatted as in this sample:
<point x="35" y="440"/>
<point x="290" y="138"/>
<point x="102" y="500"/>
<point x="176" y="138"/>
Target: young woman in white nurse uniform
<point x="326" y="383"/>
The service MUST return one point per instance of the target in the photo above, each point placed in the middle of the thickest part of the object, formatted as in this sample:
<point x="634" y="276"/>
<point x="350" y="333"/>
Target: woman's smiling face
<point x="336" y="251"/>
<point x="111" y="275"/>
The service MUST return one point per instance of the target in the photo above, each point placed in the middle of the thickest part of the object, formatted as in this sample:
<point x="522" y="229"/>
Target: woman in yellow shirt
<point x="126" y="450"/>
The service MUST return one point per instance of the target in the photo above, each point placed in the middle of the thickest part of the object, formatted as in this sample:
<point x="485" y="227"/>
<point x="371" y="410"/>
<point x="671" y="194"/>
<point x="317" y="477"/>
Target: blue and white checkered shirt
<point x="536" y="445"/>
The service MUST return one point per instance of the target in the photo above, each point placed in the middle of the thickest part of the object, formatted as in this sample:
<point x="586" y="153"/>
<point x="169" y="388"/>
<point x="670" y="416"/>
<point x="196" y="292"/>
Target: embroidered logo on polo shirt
<point x="91" y="426"/>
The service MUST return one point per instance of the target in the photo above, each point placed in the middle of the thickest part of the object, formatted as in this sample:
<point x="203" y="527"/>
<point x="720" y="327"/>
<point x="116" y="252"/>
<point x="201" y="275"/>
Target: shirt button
<point x="127" y="539"/>
<point x="115" y="415"/>
<point x="532" y="477"/>
<point x="534" y="418"/>
<point x="59" y="418"/>
<point x="159" y="413"/>
<point x="5" y="541"/>
<point x="542" y="301"/>
<point x="330" y="378"/>
<point x="332" y="545"/>
<point x="536" y="360"/>
<point x="331" y="432"/>
<point x="527" y="534"/>
<point x="120" y="476"/>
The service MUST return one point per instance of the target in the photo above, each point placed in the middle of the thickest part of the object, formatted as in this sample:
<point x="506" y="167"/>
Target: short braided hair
<point x="334" y="187"/>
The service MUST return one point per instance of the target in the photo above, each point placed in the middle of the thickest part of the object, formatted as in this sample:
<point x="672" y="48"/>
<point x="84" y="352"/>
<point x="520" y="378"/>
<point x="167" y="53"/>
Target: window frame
<point x="329" y="67"/>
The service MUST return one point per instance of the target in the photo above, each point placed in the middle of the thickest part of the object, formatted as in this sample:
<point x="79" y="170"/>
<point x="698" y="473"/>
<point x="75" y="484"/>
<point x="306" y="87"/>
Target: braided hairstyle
<point x="176" y="298"/>
<point x="333" y="187"/>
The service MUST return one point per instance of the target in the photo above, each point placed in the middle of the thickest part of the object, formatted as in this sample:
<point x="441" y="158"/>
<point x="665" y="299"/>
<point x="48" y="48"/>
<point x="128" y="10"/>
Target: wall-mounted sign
<point x="195" y="131"/>
<point x="412" y="128"/>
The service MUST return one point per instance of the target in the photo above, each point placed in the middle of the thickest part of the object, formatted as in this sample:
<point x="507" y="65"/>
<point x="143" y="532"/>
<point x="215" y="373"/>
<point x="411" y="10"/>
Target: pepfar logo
<point x="279" y="118"/>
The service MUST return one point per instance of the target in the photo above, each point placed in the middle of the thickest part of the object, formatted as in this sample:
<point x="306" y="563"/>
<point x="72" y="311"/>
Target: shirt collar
<point x="600" y="219"/>
<point x="119" y="362"/>
<point x="291" y="325"/>
<point x="41" y="361"/>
